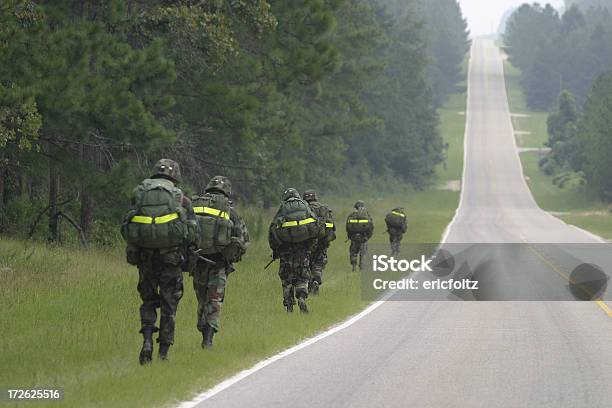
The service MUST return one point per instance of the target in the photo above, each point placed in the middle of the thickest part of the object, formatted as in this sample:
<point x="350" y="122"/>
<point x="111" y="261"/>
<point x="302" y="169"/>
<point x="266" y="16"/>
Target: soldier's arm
<point x="331" y="217"/>
<point x="189" y="207"/>
<point x="272" y="241"/>
<point x="239" y="230"/>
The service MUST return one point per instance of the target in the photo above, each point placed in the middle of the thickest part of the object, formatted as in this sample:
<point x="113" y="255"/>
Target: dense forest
<point x="317" y="93"/>
<point x="566" y="63"/>
<point x="585" y="4"/>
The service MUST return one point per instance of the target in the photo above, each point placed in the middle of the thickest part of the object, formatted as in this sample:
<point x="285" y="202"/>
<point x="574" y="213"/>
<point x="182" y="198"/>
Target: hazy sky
<point x="484" y="15"/>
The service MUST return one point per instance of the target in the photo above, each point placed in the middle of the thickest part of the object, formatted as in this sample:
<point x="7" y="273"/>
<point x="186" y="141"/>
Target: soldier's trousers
<point x="395" y="240"/>
<point x="209" y="284"/>
<point x="160" y="285"/>
<point x="318" y="261"/>
<point x="358" y="252"/>
<point x="294" y="273"/>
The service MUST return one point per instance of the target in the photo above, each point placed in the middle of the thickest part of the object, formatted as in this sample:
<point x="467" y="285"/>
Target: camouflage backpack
<point x="396" y="219"/>
<point x="213" y="213"/>
<point x="324" y="213"/>
<point x="295" y="222"/>
<point x="158" y="219"/>
<point x="359" y="222"/>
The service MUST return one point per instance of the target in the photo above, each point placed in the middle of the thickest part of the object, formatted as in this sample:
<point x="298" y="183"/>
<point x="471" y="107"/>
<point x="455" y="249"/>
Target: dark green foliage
<point x="566" y="157"/>
<point x="595" y="136"/>
<point x="449" y="42"/>
<point x="557" y="53"/>
<point x="586" y="4"/>
<point x="268" y="92"/>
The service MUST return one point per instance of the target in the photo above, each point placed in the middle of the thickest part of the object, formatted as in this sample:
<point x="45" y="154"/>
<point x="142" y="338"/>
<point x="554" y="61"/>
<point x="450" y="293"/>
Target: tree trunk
<point x="53" y="193"/>
<point x="87" y="210"/>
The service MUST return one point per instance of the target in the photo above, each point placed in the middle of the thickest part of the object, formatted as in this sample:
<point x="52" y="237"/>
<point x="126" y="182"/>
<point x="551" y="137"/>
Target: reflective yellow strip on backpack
<point x="166" y="218"/>
<point x="141" y="219"/>
<point x="358" y="221"/>
<point x="296" y="223"/>
<point x="211" y="211"/>
<point x="398" y="213"/>
<point x="329" y="225"/>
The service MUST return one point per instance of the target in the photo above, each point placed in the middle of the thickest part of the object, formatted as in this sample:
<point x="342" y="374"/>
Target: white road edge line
<point x="264" y="363"/>
<point x="465" y="150"/>
<point x="198" y="399"/>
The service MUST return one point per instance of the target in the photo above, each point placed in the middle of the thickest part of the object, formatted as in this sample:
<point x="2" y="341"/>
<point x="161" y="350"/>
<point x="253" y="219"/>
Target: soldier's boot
<point x="207" y="336"/>
<point x="288" y="302"/>
<point x="302" y="305"/>
<point x="146" y="352"/>
<point x="354" y="264"/>
<point x="163" y="351"/>
<point x="314" y="288"/>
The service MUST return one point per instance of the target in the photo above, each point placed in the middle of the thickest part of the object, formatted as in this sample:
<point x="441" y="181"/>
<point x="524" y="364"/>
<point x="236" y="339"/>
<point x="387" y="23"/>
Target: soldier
<point x="218" y="221"/>
<point x="291" y="236"/>
<point x="158" y="229"/>
<point x="359" y="229"/>
<point x="396" y="227"/>
<point x="318" y="259"/>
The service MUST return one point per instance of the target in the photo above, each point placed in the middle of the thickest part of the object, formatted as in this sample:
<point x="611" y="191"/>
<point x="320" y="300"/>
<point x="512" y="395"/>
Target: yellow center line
<point x="602" y="305"/>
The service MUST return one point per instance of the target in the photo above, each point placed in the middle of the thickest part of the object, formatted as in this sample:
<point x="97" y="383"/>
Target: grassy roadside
<point x="69" y="318"/>
<point x="573" y="205"/>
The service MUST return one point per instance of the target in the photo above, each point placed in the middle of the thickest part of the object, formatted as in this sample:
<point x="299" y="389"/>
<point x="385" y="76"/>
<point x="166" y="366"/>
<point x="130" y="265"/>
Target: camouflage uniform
<point x="160" y="285"/>
<point x="359" y="242"/>
<point x="209" y="281"/>
<point x="294" y="270"/>
<point x="160" y="279"/>
<point x="318" y="258"/>
<point x="396" y="234"/>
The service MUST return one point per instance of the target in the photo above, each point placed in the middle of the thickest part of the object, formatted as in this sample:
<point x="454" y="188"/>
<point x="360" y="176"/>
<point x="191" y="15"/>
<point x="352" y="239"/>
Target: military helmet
<point x="290" y="193"/>
<point x="220" y="183"/>
<point x="168" y="169"/>
<point x="399" y="209"/>
<point x="310" y="195"/>
<point x="359" y="204"/>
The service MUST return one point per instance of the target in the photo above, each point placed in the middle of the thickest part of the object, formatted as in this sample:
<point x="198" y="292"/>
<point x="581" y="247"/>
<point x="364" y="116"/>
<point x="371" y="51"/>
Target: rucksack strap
<point x="290" y="224"/>
<point x="140" y="219"/>
<point x="211" y="211"/>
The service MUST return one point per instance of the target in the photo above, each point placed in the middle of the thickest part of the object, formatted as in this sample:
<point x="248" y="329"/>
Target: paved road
<point x="461" y="354"/>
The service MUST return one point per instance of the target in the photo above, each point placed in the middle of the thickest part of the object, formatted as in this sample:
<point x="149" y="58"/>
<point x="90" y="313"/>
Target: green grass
<point x="69" y="317"/>
<point x="574" y="205"/>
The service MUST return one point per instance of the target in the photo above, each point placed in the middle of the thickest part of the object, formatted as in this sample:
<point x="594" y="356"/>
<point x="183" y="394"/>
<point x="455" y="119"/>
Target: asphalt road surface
<point x="464" y="354"/>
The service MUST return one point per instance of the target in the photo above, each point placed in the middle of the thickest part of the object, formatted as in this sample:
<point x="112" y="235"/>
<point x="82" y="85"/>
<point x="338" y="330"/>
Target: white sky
<point x="484" y="16"/>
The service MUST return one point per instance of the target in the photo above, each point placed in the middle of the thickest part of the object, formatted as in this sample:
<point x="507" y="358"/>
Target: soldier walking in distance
<point x="292" y="235"/>
<point x="396" y="227"/>
<point x="318" y="259"/>
<point x="158" y="229"/>
<point x="359" y="230"/>
<point x="223" y="241"/>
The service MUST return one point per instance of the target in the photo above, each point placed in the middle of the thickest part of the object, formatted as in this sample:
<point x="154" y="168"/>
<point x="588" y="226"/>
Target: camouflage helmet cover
<point x="290" y="193"/>
<point x="359" y="204"/>
<point x="220" y="183"/>
<point x="167" y="168"/>
<point x="310" y="195"/>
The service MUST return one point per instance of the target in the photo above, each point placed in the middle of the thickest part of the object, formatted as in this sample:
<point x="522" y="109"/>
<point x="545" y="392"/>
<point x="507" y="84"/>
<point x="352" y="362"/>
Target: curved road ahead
<point x="461" y="354"/>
